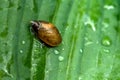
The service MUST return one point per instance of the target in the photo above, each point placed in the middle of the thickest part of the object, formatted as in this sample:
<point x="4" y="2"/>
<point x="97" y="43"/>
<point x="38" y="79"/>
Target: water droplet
<point x="106" y="41"/>
<point x="106" y="50"/>
<point x="109" y="7"/>
<point x="80" y="78"/>
<point x="21" y="51"/>
<point x="90" y="23"/>
<point x="23" y="42"/>
<point x="61" y="58"/>
<point x="47" y="71"/>
<point x="63" y="49"/>
<point x="81" y="50"/>
<point x="88" y="43"/>
<point x="106" y="25"/>
<point x="56" y="52"/>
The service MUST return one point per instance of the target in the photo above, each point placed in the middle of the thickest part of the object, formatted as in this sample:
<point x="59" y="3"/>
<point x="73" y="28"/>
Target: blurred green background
<point x="90" y="49"/>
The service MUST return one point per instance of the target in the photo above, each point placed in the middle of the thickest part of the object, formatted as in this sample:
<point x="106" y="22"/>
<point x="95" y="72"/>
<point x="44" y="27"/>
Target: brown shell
<point x="47" y="32"/>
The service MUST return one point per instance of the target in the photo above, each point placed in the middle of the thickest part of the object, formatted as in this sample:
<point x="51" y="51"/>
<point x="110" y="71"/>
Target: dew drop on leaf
<point x="63" y="49"/>
<point x="90" y="23"/>
<point x="56" y="52"/>
<point x="106" y="50"/>
<point x="23" y="42"/>
<point x="61" y="58"/>
<point x="109" y="7"/>
<point x="47" y="71"/>
<point x="81" y="50"/>
<point x="80" y="78"/>
<point x="106" y="41"/>
<point x="21" y="51"/>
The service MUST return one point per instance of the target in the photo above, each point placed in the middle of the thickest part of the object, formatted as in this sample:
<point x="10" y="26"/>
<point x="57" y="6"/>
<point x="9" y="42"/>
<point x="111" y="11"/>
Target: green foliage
<point x="90" y="49"/>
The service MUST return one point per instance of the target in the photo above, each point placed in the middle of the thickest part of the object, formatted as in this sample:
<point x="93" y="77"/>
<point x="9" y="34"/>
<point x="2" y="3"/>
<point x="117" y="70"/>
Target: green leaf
<point x="90" y="48"/>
